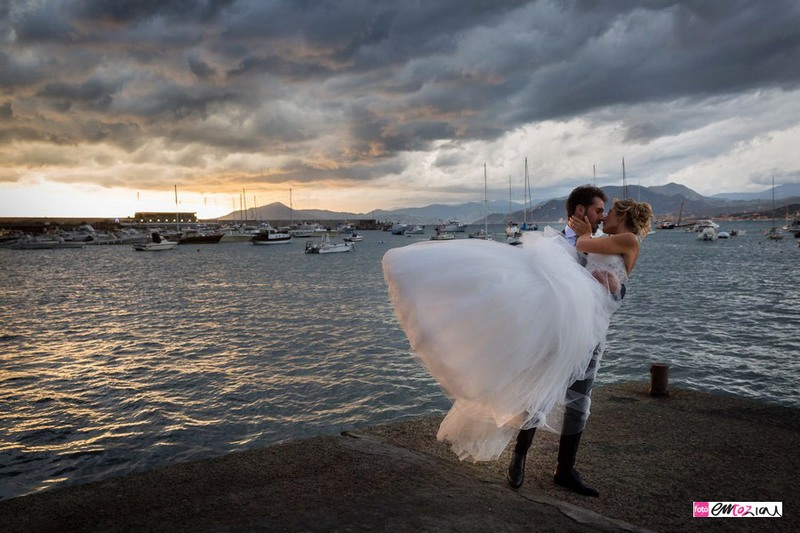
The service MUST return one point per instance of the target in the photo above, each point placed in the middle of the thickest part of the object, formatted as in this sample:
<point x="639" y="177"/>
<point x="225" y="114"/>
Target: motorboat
<point x="454" y="225"/>
<point x="415" y="230"/>
<point x="346" y="227"/>
<point x="481" y="234"/>
<point x="708" y="233"/>
<point x="442" y="235"/>
<point x="269" y="235"/>
<point x="325" y="246"/>
<point x="701" y="225"/>
<point x="513" y="234"/>
<point x="354" y="237"/>
<point x="196" y="236"/>
<point x="156" y="245"/>
<point x="398" y="229"/>
<point x="239" y="234"/>
<point x="723" y="235"/>
<point x="29" y="242"/>
<point x="793" y="227"/>
<point x="308" y="230"/>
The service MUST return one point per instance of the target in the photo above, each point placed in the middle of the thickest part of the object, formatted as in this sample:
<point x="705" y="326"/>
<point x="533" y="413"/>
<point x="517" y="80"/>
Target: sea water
<point x="114" y="361"/>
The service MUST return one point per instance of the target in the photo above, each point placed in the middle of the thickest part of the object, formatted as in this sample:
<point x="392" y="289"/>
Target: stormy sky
<point x="364" y="104"/>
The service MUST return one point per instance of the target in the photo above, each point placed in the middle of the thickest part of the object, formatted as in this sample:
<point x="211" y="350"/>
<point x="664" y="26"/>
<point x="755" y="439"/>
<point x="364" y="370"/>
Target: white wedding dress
<point x="504" y="330"/>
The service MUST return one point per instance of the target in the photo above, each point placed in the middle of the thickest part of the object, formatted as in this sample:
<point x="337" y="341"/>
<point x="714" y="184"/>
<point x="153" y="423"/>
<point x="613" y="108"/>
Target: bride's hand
<point x="580" y="226"/>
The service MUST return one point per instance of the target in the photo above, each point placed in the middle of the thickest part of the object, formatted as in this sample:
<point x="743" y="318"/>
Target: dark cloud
<point x="383" y="77"/>
<point x="131" y="11"/>
<point x="200" y="68"/>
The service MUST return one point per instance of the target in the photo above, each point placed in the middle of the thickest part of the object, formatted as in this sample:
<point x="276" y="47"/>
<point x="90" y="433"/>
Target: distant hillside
<point x="669" y="201"/>
<point x="782" y="192"/>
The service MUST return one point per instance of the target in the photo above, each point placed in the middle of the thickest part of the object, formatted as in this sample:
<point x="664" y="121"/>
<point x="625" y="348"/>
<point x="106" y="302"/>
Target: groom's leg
<point x="575" y="415"/>
<point x="516" y="468"/>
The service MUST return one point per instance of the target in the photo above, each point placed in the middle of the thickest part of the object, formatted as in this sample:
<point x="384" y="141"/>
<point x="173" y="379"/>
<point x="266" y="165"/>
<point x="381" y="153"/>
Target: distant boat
<point x="454" y="225"/>
<point x="513" y="232"/>
<point x="442" y="235"/>
<point x="194" y="236"/>
<point x="484" y="233"/>
<point x="774" y="233"/>
<point x="156" y="245"/>
<point x="528" y="201"/>
<point x="268" y="235"/>
<point x="398" y="228"/>
<point x="794" y="227"/>
<point x="239" y="234"/>
<point x="354" y="237"/>
<point x="29" y="242"/>
<point x="415" y="230"/>
<point x="325" y="246"/>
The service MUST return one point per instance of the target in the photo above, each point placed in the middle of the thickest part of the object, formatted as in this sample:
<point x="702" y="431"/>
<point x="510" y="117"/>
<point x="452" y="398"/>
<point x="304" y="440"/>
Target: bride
<point x="505" y="330"/>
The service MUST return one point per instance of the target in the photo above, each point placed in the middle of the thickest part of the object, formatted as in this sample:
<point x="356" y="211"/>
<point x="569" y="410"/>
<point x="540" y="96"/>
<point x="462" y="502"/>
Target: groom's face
<point x="594" y="212"/>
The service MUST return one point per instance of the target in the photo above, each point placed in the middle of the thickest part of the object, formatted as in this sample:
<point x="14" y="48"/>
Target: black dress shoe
<point x="571" y="479"/>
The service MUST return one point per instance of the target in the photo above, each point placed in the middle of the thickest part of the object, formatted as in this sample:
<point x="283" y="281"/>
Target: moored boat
<point x="325" y="246"/>
<point x="454" y="225"/>
<point x="156" y="245"/>
<point x="269" y="235"/>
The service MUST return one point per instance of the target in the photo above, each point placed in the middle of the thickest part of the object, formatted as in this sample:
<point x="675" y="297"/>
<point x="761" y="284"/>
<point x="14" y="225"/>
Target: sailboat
<point x="528" y="201"/>
<point x="513" y="233"/>
<point x="774" y="233"/>
<point x="483" y="233"/>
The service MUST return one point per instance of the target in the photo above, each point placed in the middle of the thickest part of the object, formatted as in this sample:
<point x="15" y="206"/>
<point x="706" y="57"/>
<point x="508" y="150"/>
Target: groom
<point x="584" y="201"/>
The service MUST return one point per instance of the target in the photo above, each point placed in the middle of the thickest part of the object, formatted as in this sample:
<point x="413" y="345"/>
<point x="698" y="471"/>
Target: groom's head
<point x="587" y="201"/>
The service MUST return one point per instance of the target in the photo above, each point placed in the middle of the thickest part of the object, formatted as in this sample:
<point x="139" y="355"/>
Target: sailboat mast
<point x="291" y="209"/>
<point x="177" y="222"/>
<point x="485" y="204"/>
<point x="624" y="181"/>
<point x="525" y="199"/>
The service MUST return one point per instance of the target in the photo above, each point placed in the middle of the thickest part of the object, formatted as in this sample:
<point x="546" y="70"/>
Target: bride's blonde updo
<point x="638" y="215"/>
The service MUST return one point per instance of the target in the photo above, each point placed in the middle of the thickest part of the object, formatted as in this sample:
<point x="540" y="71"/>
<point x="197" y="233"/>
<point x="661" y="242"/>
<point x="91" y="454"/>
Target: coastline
<point x="649" y="457"/>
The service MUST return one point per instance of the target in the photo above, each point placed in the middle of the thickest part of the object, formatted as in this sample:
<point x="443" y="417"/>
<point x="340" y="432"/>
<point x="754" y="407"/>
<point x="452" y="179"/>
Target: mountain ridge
<point x="672" y="200"/>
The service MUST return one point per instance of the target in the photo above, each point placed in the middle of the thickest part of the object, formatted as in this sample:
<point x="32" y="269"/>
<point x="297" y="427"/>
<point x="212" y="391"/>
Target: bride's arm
<point x="619" y="244"/>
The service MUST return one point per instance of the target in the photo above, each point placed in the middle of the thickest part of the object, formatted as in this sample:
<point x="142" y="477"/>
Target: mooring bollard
<point x="659" y="379"/>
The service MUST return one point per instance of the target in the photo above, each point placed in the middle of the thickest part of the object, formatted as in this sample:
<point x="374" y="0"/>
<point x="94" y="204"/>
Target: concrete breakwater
<point x="651" y="458"/>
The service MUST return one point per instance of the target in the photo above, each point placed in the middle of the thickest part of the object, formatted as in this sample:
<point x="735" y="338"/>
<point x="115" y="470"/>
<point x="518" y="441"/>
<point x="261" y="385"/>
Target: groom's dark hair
<point x="584" y="195"/>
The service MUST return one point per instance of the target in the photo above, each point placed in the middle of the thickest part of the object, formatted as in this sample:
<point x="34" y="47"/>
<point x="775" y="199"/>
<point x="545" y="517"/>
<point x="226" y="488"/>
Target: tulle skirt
<point x="504" y="330"/>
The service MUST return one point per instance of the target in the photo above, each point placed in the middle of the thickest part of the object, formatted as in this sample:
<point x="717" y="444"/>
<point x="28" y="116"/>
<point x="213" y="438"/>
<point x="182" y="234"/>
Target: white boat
<point x="156" y="245"/>
<point x="454" y="225"/>
<point x="513" y="234"/>
<point x="354" y="237"/>
<point x="723" y="235"/>
<point x="268" y="235"/>
<point x="325" y="246"/>
<point x="512" y="231"/>
<point x="484" y="233"/>
<point x="528" y="201"/>
<point x="773" y="233"/>
<point x="308" y="230"/>
<point x="701" y="225"/>
<point x="481" y="234"/>
<point x="28" y="242"/>
<point x="346" y="227"/>
<point x="441" y="235"/>
<point x="415" y="230"/>
<point x="398" y="228"/>
<point x="239" y="234"/>
<point x="708" y="233"/>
